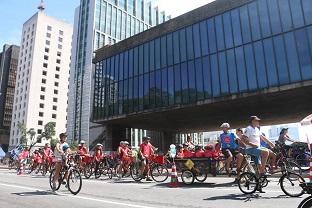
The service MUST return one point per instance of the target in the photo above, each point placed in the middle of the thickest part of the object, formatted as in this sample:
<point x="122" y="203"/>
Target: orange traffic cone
<point x="174" y="177"/>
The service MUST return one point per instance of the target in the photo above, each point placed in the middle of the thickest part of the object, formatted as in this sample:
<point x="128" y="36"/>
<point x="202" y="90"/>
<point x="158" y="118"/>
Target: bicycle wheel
<point x="136" y="172"/>
<point x="293" y="167"/>
<point x="160" y="173"/>
<point x="58" y="182"/>
<point x="187" y="177"/>
<point x="88" y="171"/>
<point x="248" y="183"/>
<point x="201" y="177"/>
<point x="306" y="203"/>
<point x="74" y="181"/>
<point x="290" y="184"/>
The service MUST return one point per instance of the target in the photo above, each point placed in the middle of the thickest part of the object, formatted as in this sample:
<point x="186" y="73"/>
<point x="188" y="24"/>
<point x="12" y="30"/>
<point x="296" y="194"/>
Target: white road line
<point x="79" y="197"/>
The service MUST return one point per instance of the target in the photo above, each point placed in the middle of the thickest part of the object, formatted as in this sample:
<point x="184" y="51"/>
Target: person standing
<point x="146" y="151"/>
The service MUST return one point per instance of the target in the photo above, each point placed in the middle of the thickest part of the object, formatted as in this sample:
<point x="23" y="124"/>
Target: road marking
<point x="79" y="197"/>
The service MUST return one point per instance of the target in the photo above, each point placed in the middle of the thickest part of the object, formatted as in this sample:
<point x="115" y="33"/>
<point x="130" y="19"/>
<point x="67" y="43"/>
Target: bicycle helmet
<point x="65" y="146"/>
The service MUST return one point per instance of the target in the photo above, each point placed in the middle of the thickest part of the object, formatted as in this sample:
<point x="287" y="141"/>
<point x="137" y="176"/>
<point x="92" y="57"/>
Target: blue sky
<point x="13" y="13"/>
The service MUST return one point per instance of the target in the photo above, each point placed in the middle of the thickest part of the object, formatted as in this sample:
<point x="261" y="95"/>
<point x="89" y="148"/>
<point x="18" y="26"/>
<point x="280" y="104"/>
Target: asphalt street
<point x="33" y="191"/>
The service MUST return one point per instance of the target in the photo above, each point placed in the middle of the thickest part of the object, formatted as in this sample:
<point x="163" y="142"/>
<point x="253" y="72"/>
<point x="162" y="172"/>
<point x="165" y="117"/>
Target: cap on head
<point x="125" y="142"/>
<point x="225" y="125"/>
<point x="82" y="142"/>
<point x="121" y="142"/>
<point x="146" y="138"/>
<point x="254" y="118"/>
<point x="99" y="145"/>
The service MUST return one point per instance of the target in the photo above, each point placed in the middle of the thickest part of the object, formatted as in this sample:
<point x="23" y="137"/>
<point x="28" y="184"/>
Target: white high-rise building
<point x="42" y="75"/>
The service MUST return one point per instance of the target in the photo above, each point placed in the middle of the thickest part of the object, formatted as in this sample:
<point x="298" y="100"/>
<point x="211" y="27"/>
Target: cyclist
<point x="252" y="138"/>
<point x="190" y="144"/>
<point x="22" y="160"/>
<point x="283" y="137"/>
<point x="59" y="155"/>
<point x="47" y="153"/>
<point x="146" y="150"/>
<point x="83" y="153"/>
<point x="230" y="148"/>
<point x="99" y="155"/>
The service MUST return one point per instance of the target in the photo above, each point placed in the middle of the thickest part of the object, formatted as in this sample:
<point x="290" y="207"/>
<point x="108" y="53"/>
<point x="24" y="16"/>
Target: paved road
<point x="33" y="191"/>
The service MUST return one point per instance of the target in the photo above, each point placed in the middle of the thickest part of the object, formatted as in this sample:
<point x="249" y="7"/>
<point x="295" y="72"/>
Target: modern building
<point x="100" y="23"/>
<point x="8" y="68"/>
<point x="221" y="62"/>
<point x="42" y="75"/>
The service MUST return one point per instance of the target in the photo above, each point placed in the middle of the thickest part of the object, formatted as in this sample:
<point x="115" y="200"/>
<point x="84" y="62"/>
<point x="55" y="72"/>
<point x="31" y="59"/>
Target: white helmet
<point x="82" y="142"/>
<point x="225" y="125"/>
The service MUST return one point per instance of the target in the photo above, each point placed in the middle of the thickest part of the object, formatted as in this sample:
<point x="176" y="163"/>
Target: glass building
<point x="257" y="45"/>
<point x="100" y="23"/>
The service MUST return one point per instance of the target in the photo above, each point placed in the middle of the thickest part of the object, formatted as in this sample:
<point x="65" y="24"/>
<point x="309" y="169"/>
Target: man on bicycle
<point x="230" y="148"/>
<point x="252" y="138"/>
<point x="146" y="150"/>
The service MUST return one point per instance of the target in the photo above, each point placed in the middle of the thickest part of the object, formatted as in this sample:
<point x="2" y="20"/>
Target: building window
<point x="49" y="28"/>
<point x="59" y="54"/>
<point x="45" y="65"/>
<point x="55" y="100"/>
<point x="43" y="81"/>
<point x="58" y="61"/>
<point x="41" y="97"/>
<point x="39" y="131"/>
<point x="40" y="114"/>
<point x="60" y="39"/>
<point x="46" y="57"/>
<point x="57" y="76"/>
<point x="55" y="92"/>
<point x="56" y="84"/>
<point x="46" y="50"/>
<point x="48" y="35"/>
<point x="40" y="123"/>
<point x="53" y="115"/>
<point x="54" y="107"/>
<point x="61" y="32"/>
<point x="42" y="89"/>
<point x="41" y="105"/>
<point x="47" y="42"/>
<point x="57" y="68"/>
<point x="59" y="46"/>
<point x="44" y="73"/>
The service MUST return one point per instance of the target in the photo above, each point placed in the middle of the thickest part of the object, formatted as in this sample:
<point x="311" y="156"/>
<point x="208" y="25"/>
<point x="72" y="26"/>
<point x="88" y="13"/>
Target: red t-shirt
<point x="180" y="154"/>
<point x="23" y="155"/>
<point x="208" y="153"/>
<point x="47" y="152"/>
<point x="99" y="155"/>
<point x="188" y="154"/>
<point x="146" y="149"/>
<point x="200" y="153"/>
<point x="83" y="150"/>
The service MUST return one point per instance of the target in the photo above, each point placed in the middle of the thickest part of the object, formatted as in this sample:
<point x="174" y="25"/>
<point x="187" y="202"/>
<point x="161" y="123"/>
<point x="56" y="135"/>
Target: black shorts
<point x="233" y="151"/>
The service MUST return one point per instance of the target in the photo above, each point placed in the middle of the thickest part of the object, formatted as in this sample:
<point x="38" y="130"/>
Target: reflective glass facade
<point x="262" y="44"/>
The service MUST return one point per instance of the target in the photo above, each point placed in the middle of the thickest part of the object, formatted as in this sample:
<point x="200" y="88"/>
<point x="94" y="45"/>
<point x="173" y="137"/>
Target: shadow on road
<point x="35" y="193"/>
<point x="197" y="185"/>
<point x="244" y="197"/>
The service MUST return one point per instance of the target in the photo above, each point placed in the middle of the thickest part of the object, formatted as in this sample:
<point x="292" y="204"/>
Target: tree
<point x="49" y="132"/>
<point x="22" y="128"/>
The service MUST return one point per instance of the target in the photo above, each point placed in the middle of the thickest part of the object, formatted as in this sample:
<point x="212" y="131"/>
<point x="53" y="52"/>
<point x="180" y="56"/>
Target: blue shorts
<point x="255" y="152"/>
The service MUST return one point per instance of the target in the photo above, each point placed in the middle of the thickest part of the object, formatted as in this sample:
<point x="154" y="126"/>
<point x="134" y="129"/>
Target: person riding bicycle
<point x="230" y="148"/>
<point x="22" y="160"/>
<point x="98" y="156"/>
<point x="283" y="137"/>
<point x="59" y="158"/>
<point x="124" y="155"/>
<point x="252" y="138"/>
<point x="146" y="150"/>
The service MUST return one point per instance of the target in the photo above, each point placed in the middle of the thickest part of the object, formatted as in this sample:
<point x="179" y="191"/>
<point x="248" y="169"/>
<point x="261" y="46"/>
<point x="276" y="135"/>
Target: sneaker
<point x="149" y="179"/>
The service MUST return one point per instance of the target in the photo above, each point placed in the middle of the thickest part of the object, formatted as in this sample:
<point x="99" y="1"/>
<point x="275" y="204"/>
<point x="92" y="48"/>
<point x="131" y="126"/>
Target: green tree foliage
<point x="22" y="128"/>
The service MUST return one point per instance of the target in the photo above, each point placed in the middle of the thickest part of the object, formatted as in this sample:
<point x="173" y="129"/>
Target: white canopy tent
<point x="306" y="125"/>
<point x="2" y="153"/>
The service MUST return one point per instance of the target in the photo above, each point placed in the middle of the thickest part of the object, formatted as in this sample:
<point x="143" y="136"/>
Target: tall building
<point x="42" y="75"/>
<point x="99" y="23"/>
<point x="221" y="62"/>
<point x="8" y="67"/>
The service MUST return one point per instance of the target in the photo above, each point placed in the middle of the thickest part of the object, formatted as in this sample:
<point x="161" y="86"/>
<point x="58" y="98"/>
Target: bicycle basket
<point x="160" y="159"/>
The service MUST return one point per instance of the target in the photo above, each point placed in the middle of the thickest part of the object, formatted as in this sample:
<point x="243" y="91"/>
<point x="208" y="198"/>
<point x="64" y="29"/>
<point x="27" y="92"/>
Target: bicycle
<point x="73" y="181"/>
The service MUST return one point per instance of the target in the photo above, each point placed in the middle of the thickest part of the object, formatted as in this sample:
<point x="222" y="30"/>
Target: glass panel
<point x="164" y="87"/>
<point x="219" y="32"/>
<point x="215" y="75"/>
<point x="199" y="79"/>
<point x="292" y="57"/>
<point x="120" y="97"/>
<point x="118" y="25"/>
<point x="169" y="49"/>
<point x="236" y="27"/>
<point x="176" y="48"/>
<point x="224" y="81"/>
<point x="182" y="45"/>
<point x="281" y="63"/>
<point x="307" y="9"/>
<point x="232" y="71"/>
<point x="103" y="16"/>
<point x="211" y="36"/>
<point x="141" y="59"/>
<point x="146" y="91"/>
<point x="141" y="92"/>
<point x="158" y="88"/>
<point x="190" y="45"/>
<point x="157" y="53"/>
<point x="152" y="55"/>
<point x="274" y="16"/>
<point x="285" y="15"/>
<point x="146" y="57"/>
<point x="171" y="85"/>
<point x="207" y="77"/>
<point x="241" y="69"/>
<point x="114" y="16"/>
<point x="254" y="21"/>
<point x="109" y="18"/>
<point x="296" y="12"/>
<point x="270" y="62"/>
<point x="184" y="80"/>
<point x="260" y="65"/>
<point x="125" y="97"/>
<point x="309" y="30"/>
<point x="245" y="24"/>
<point x="130" y="95"/>
<point x="264" y="18"/>
<point x="250" y="66"/>
<point x="191" y="81"/>
<point x="112" y="68"/>
<point x="196" y="36"/>
<point x="177" y="84"/>
<point x="152" y="90"/>
<point x="304" y="54"/>
<point x="136" y="61"/>
<point x="130" y="62"/>
<point x="204" y="38"/>
<point x="163" y="52"/>
<point x="135" y="94"/>
<point x="116" y="68"/>
<point x="228" y="30"/>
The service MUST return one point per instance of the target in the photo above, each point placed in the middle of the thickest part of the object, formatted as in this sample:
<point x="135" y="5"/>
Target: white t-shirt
<point x="254" y="136"/>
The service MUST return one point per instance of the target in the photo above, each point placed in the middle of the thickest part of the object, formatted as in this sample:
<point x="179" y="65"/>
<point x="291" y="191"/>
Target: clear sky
<point x="13" y="13"/>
